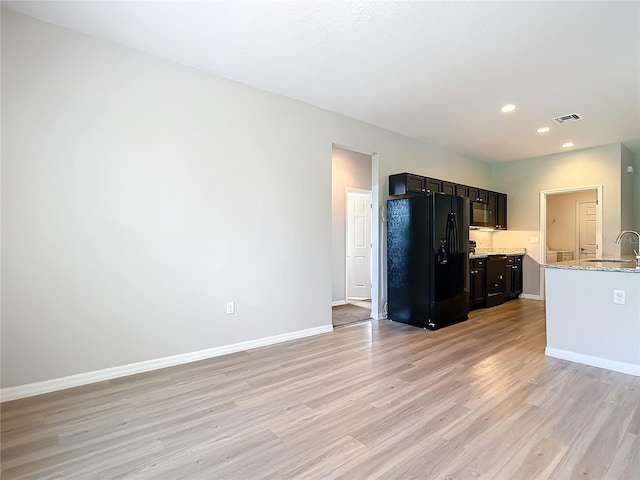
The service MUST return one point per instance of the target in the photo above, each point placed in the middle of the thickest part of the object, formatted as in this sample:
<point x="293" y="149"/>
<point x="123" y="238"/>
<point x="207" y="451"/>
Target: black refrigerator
<point x="428" y="260"/>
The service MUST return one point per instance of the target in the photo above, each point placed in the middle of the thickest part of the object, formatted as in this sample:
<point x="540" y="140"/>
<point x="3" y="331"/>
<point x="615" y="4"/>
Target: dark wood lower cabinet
<point x="478" y="284"/>
<point x="494" y="280"/>
<point x="513" y="274"/>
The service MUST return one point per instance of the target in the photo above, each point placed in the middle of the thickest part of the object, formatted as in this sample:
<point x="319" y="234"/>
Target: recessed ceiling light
<point x="567" y="145"/>
<point x="543" y="130"/>
<point x="510" y="107"/>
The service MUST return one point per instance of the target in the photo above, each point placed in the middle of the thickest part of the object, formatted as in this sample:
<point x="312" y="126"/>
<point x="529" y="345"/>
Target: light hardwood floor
<point x="372" y="400"/>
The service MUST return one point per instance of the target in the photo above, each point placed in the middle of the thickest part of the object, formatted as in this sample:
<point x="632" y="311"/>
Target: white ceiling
<point x="434" y="71"/>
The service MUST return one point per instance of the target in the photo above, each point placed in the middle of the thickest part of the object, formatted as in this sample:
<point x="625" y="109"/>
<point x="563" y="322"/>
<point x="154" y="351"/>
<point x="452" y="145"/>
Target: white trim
<point x="38" y="388"/>
<point x="530" y="296"/>
<point x="338" y="302"/>
<point x="543" y="222"/>
<point x="622" y="367"/>
<point x="377" y="261"/>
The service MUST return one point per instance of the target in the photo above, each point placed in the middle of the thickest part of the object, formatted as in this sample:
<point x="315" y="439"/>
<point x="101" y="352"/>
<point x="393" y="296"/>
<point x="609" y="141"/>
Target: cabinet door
<point x="492" y="201"/>
<point x="477" y="195"/>
<point x="496" y="267"/>
<point x="517" y="275"/>
<point x="415" y="184"/>
<point x="517" y="280"/>
<point x="508" y="277"/>
<point x="434" y="185"/>
<point x="478" y="287"/>
<point x="448" y="188"/>
<point x="501" y="213"/>
<point x="462" y="190"/>
<point x="403" y="183"/>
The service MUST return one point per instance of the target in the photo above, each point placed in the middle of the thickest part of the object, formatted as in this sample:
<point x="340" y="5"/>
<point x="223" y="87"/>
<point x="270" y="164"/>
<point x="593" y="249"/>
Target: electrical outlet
<point x="231" y="308"/>
<point x="618" y="297"/>
<point x="535" y="240"/>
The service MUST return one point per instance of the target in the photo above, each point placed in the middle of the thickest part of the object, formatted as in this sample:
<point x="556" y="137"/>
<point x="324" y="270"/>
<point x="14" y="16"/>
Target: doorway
<point x="570" y="225"/>
<point x="354" y="245"/>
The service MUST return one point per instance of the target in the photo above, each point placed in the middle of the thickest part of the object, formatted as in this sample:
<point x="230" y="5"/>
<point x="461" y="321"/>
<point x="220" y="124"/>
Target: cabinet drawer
<point x="510" y="260"/>
<point x="479" y="262"/>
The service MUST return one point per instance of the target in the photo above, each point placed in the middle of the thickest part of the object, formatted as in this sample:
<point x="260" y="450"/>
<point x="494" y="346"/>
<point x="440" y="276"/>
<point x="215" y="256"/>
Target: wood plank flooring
<point x="478" y="400"/>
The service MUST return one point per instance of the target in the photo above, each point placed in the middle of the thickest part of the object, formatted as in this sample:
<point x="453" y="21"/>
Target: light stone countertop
<point x="486" y="252"/>
<point x="603" y="266"/>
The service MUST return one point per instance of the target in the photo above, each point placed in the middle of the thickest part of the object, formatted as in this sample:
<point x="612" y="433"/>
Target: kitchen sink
<point x="610" y="260"/>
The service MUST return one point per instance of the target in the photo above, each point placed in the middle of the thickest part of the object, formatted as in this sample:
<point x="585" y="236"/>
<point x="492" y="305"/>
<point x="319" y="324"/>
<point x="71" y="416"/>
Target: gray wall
<point x="349" y="170"/>
<point x="523" y="181"/>
<point x="139" y="196"/>
<point x="627" y="220"/>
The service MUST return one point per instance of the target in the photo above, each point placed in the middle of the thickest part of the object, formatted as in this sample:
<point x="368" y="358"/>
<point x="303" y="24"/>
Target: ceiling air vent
<point x="571" y="117"/>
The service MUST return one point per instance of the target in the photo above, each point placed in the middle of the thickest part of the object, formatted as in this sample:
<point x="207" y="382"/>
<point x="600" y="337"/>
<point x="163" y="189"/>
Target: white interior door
<point x="587" y="228"/>
<point x="359" y="245"/>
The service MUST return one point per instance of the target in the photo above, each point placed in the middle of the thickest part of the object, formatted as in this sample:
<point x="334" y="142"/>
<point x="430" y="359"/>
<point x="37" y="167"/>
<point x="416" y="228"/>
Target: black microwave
<point x="482" y="216"/>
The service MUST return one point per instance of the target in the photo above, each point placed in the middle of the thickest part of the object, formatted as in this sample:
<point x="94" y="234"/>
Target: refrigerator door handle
<point x="454" y="226"/>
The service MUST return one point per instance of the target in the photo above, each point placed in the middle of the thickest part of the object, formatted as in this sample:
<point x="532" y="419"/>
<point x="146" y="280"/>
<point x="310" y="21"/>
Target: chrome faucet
<point x="619" y="239"/>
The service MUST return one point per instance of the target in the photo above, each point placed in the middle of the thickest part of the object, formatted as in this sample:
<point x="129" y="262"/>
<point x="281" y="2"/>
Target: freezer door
<point x="408" y="260"/>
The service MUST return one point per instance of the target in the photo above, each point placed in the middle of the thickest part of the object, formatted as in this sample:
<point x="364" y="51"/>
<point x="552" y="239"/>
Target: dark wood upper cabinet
<point x="434" y="185"/>
<point x="478" y="195"/>
<point x="403" y="183"/>
<point x="411" y="184"/>
<point x="501" y="211"/>
<point x="448" y="188"/>
<point x="462" y="190"/>
<point x="492" y="209"/>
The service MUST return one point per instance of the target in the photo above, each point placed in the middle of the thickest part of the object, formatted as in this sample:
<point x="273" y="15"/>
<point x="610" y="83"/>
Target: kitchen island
<point x="593" y="313"/>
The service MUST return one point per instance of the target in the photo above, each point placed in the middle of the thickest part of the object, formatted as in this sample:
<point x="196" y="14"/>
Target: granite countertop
<point x="486" y="252"/>
<point x="603" y="266"/>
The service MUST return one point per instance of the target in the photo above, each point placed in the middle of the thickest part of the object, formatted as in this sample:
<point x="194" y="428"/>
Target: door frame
<point x="543" y="223"/>
<point x="346" y="240"/>
<point x="378" y="262"/>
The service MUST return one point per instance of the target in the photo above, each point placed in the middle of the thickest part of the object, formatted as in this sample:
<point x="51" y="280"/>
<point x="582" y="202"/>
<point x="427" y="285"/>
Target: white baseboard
<point x="530" y="296"/>
<point x="338" y="302"/>
<point x="47" y="386"/>
<point x="622" y="367"/>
